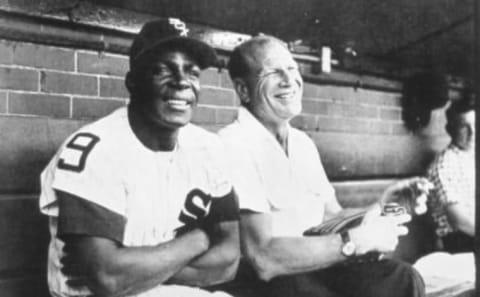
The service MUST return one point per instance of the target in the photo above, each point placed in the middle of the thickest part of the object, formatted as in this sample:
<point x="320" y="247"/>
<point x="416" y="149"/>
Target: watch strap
<point x="348" y="247"/>
<point x="345" y="236"/>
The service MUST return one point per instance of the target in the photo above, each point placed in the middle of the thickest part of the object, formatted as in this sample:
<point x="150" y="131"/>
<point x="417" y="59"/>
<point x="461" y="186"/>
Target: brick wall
<point x="346" y="109"/>
<point x="46" y="81"/>
<point x="50" y="82"/>
<point x="54" y="82"/>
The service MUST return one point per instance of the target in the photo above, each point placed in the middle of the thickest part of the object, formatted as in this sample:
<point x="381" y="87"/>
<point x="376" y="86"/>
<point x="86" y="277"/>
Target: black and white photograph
<point x="239" y="148"/>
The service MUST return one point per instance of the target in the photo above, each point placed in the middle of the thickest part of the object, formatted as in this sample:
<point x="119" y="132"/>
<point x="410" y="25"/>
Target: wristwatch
<point x="348" y="247"/>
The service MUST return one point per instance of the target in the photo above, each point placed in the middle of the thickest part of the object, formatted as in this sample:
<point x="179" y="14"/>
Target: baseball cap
<point x="171" y="32"/>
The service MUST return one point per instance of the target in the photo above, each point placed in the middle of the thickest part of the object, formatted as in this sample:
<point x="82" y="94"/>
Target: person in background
<point x="283" y="190"/>
<point x="138" y="201"/>
<point x="452" y="203"/>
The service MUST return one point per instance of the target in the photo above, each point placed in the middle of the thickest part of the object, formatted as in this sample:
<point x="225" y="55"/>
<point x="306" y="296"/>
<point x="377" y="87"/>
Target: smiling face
<point x="274" y="83"/>
<point x="168" y="90"/>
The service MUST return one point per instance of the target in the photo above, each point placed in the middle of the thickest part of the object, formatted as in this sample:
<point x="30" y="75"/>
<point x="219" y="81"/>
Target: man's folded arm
<point x="219" y="264"/>
<point x="110" y="269"/>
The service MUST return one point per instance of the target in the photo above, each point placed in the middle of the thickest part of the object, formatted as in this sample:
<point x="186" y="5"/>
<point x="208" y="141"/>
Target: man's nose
<point x="287" y="77"/>
<point x="180" y="80"/>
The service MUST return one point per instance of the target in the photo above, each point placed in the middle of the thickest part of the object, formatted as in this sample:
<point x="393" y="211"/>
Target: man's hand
<point x="378" y="233"/>
<point x="410" y="193"/>
<point x="216" y="265"/>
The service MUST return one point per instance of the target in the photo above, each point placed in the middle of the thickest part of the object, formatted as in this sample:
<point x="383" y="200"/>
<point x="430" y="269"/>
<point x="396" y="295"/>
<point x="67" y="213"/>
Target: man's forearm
<point x="273" y="256"/>
<point x="120" y="271"/>
<point x="278" y="257"/>
<point x="205" y="275"/>
<point x="216" y="265"/>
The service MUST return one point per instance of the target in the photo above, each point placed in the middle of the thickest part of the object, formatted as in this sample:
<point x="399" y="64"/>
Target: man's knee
<point x="407" y="277"/>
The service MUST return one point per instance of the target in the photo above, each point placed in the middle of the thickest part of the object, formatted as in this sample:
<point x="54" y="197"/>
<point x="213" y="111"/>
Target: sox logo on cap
<point x="179" y="25"/>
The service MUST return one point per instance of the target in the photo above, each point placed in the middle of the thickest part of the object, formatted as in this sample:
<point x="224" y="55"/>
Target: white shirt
<point x="294" y="189"/>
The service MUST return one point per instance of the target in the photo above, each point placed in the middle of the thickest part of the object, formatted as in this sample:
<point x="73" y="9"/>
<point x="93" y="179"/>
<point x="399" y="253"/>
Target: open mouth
<point x="178" y="104"/>
<point x="285" y="96"/>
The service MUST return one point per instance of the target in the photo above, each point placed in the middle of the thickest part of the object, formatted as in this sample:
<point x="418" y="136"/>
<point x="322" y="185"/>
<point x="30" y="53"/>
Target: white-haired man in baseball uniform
<point x="138" y="201"/>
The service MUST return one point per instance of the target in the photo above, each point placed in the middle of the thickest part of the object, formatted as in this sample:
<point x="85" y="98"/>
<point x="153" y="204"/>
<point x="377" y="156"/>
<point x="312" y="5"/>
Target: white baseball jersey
<point x="131" y="194"/>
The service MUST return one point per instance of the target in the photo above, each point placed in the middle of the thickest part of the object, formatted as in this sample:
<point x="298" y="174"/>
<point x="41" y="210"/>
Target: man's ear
<point x="130" y="83"/>
<point x="242" y="90"/>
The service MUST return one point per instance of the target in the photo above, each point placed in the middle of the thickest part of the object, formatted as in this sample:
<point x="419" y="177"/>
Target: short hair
<point x="464" y="104"/>
<point x="239" y="63"/>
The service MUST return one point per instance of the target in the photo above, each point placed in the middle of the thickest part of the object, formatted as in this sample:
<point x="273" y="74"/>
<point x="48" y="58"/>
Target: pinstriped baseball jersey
<point x="145" y="192"/>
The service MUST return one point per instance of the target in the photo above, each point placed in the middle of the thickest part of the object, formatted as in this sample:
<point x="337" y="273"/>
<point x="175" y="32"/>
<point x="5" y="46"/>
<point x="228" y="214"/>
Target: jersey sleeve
<point x="81" y="186"/>
<point x="78" y="216"/>
<point x="224" y="208"/>
<point x="86" y="169"/>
